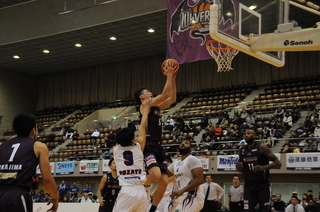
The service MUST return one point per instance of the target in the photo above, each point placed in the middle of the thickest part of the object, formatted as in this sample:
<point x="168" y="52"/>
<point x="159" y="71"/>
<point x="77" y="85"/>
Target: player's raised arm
<point x="144" y="110"/>
<point x="167" y="90"/>
<point x="173" y="94"/>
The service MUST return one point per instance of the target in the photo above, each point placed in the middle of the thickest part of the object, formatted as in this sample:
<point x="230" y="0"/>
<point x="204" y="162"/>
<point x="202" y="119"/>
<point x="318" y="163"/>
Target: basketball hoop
<point x="222" y="54"/>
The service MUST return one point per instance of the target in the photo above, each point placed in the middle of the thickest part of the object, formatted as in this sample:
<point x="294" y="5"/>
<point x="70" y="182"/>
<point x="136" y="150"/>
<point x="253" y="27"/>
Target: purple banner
<point x="188" y="29"/>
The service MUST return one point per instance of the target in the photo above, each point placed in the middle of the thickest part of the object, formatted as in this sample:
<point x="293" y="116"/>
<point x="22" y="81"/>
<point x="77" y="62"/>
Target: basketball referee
<point x="235" y="196"/>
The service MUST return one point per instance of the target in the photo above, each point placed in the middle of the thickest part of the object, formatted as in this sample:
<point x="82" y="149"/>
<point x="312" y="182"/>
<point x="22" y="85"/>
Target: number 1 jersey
<point x="18" y="162"/>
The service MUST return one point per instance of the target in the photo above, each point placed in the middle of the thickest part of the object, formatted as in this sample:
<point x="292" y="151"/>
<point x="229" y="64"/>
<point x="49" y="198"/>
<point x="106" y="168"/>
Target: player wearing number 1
<point x="129" y="160"/>
<point x="19" y="158"/>
<point x="254" y="164"/>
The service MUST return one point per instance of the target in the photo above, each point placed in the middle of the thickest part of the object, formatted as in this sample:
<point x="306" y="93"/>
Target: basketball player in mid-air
<point x="254" y="164"/>
<point x="153" y="153"/>
<point x="19" y="158"/>
<point x="129" y="160"/>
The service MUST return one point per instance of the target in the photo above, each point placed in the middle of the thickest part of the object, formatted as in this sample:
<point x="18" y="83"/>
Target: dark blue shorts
<point x="15" y="199"/>
<point x="257" y="192"/>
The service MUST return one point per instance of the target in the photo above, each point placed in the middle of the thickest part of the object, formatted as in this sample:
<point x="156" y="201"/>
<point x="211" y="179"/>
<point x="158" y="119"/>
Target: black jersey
<point x="250" y="158"/>
<point x="111" y="189"/>
<point x="18" y="162"/>
<point x="154" y="126"/>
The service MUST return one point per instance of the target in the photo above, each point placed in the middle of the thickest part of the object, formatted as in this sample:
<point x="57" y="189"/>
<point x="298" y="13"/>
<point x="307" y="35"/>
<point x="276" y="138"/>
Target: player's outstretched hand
<point x="170" y="68"/>
<point x="54" y="207"/>
<point x="145" y="106"/>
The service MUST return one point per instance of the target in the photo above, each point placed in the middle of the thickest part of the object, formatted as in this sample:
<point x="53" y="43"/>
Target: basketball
<point x="165" y="64"/>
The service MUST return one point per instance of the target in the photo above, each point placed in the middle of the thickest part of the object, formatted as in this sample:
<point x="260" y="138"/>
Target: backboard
<point x="237" y="19"/>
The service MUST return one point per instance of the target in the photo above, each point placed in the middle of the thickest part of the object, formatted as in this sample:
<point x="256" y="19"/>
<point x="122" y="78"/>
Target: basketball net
<point x="222" y="54"/>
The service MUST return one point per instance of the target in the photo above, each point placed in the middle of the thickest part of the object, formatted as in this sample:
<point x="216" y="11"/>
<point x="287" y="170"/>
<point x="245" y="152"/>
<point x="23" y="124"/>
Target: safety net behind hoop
<point x="222" y="54"/>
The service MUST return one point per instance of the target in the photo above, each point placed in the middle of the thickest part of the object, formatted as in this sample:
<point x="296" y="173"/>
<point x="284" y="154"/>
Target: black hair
<point x="125" y="136"/>
<point x="168" y="159"/>
<point x="294" y="197"/>
<point x="137" y="95"/>
<point x="110" y="161"/>
<point x="23" y="124"/>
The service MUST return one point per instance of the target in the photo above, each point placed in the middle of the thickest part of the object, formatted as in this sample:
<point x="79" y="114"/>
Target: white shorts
<point x="167" y="205"/>
<point x="190" y="203"/>
<point x="131" y="199"/>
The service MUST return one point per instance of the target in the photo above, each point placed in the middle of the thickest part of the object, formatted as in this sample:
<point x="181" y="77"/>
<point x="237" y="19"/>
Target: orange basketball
<point x="165" y="64"/>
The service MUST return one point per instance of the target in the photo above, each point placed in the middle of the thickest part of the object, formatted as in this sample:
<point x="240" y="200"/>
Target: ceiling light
<point x="151" y="30"/>
<point x="78" y="45"/>
<point x="113" y="38"/>
<point x="46" y="51"/>
<point x="253" y="7"/>
<point x="229" y="14"/>
<point x="16" y="57"/>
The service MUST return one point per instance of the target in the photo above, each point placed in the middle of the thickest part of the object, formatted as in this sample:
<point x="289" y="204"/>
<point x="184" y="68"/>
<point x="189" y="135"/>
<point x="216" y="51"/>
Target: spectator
<point x="65" y="199"/>
<point x="308" y="123"/>
<point x="278" y="205"/>
<point x="62" y="188"/>
<point x="224" y="123"/>
<point x="180" y="123"/>
<point x="93" y="198"/>
<point x="304" y="201"/>
<point x="253" y="113"/>
<point x="86" y="188"/>
<point x="294" y="193"/>
<point x="170" y="124"/>
<point x="176" y="131"/>
<point x="111" y="141"/>
<point x="287" y="147"/>
<point x="310" y="146"/>
<point x="243" y="115"/>
<point x="287" y="121"/>
<point x="312" y="206"/>
<point x="70" y="132"/>
<point x="131" y="125"/>
<point x="281" y="129"/>
<point x="94" y="136"/>
<point x="273" y="123"/>
<point x="74" y="189"/>
<point x="279" y="112"/>
<point x="301" y="131"/>
<point x="314" y="115"/>
<point x="46" y="197"/>
<point x="265" y="131"/>
<point x="294" y="206"/>
<point x="218" y="131"/>
<point x="243" y="127"/>
<point x="250" y="120"/>
<point x="85" y="198"/>
<point x="310" y="193"/>
<point x="273" y="198"/>
<point x="204" y="121"/>
<point x="236" y="114"/>
<point x="295" y="112"/>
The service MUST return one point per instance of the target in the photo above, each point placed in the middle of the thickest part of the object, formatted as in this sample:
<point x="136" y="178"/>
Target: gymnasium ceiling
<point x="27" y="27"/>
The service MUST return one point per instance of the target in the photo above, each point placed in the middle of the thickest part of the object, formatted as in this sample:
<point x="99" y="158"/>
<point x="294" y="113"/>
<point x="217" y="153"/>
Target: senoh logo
<point x="297" y="43"/>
